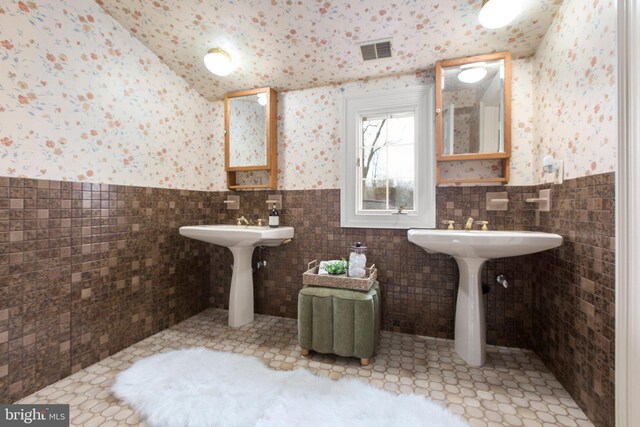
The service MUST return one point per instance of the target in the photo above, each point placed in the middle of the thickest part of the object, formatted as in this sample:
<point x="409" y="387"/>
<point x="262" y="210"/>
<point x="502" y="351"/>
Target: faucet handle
<point x="450" y="224"/>
<point x="260" y="222"/>
<point x="484" y="225"/>
<point x="238" y="221"/>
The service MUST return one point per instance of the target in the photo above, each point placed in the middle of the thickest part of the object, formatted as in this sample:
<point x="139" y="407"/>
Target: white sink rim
<point x="483" y="244"/>
<point x="231" y="236"/>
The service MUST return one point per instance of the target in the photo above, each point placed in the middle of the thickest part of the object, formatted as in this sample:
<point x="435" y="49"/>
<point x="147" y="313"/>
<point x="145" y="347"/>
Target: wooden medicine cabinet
<point x="473" y="114"/>
<point x="250" y="138"/>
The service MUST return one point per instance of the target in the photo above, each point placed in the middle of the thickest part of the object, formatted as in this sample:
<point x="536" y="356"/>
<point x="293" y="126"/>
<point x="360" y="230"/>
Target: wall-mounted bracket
<point x="275" y="198"/>
<point x="232" y="202"/>
<point x="497" y="201"/>
<point x="559" y="172"/>
<point x="543" y="201"/>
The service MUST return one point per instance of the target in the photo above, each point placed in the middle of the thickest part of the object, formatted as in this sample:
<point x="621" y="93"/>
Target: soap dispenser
<point x="357" y="260"/>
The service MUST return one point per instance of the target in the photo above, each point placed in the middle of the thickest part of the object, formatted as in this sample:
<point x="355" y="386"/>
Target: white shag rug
<point x="199" y="387"/>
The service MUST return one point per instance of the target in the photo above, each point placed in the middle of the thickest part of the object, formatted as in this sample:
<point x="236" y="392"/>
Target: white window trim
<point x="418" y="99"/>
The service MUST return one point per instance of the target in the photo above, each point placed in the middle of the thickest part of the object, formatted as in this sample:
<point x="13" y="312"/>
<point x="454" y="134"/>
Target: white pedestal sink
<point x="241" y="240"/>
<point x="471" y="249"/>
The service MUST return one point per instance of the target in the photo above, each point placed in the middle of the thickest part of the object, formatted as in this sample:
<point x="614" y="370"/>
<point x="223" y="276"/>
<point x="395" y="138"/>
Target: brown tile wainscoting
<point x="574" y="301"/>
<point x="418" y="289"/>
<point x="87" y="270"/>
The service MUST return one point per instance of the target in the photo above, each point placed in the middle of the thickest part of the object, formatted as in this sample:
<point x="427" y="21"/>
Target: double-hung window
<point x="388" y="159"/>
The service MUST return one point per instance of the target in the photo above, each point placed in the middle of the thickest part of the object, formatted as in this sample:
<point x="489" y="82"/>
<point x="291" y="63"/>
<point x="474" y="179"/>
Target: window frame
<point x="420" y="100"/>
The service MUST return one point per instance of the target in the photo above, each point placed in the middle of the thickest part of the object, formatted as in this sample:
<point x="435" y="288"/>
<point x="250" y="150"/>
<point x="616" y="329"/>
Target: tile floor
<point x="513" y="389"/>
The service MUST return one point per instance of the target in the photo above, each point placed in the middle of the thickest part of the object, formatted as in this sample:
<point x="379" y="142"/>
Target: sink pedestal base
<point x="241" y="295"/>
<point x="470" y="332"/>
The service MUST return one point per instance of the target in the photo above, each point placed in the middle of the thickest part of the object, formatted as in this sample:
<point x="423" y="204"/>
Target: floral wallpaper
<point x="576" y="90"/>
<point x="247" y="132"/>
<point x="472" y="170"/>
<point x="81" y="99"/>
<point x="461" y="97"/>
<point x="522" y="122"/>
<point x="464" y="106"/>
<point x="300" y="44"/>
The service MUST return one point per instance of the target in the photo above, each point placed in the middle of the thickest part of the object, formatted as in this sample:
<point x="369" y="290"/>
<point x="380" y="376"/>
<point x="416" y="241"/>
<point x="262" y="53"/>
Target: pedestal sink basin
<point x="471" y="249"/>
<point x="241" y="240"/>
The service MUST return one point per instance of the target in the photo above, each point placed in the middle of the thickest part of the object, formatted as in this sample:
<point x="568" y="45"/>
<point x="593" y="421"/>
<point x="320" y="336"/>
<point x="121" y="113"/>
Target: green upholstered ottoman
<point x="339" y="321"/>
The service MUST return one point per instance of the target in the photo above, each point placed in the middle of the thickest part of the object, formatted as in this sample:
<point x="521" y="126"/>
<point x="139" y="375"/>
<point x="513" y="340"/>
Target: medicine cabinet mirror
<point x="473" y="112"/>
<point x="250" y="137"/>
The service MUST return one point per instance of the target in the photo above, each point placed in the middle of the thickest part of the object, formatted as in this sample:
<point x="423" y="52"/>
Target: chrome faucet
<point x="469" y="225"/>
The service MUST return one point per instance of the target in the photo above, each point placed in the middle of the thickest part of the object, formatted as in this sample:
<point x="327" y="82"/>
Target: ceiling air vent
<point x="376" y="50"/>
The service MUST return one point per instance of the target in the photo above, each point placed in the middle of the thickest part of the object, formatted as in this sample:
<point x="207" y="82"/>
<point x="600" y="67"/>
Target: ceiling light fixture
<point x="218" y="62"/>
<point x="498" y="13"/>
<point x="472" y="75"/>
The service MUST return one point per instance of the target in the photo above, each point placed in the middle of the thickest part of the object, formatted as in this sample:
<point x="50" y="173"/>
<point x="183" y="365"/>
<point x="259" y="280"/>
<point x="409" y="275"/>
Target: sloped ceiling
<point x="291" y="44"/>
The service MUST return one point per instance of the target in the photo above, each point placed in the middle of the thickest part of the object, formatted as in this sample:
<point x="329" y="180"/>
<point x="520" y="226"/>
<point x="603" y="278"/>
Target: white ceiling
<point x="288" y="44"/>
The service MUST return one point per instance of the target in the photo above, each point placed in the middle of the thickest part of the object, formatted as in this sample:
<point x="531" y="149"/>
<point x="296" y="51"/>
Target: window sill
<point x="391" y="221"/>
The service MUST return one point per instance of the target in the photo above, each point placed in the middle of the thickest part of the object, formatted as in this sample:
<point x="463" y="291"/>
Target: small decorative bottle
<point x="274" y="217"/>
<point x="358" y="261"/>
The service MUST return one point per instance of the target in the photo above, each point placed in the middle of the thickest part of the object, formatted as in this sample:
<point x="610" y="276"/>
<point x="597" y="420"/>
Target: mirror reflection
<point x="473" y="108"/>
<point x="248" y="130"/>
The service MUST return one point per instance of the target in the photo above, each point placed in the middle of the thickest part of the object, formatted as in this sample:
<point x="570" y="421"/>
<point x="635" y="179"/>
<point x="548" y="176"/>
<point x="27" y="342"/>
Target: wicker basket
<point x="311" y="277"/>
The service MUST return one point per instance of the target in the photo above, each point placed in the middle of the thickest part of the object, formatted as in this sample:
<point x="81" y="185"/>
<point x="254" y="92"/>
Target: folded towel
<point x="322" y="271"/>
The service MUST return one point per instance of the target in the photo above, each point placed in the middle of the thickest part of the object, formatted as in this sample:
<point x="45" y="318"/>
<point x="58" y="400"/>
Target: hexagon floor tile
<point x="512" y="389"/>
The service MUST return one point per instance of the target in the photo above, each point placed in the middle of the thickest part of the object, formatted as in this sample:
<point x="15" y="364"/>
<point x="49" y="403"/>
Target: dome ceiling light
<point x="498" y="13"/>
<point x="218" y="62"/>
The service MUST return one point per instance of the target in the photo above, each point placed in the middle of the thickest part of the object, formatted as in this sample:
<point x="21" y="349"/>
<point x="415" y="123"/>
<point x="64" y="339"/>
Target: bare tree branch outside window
<point x="387" y="175"/>
<point x="373" y="149"/>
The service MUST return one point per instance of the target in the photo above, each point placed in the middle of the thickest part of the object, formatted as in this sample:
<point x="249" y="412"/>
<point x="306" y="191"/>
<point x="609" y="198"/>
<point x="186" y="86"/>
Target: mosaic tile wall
<point x="574" y="307"/>
<point x="87" y="270"/>
<point x="419" y="289"/>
